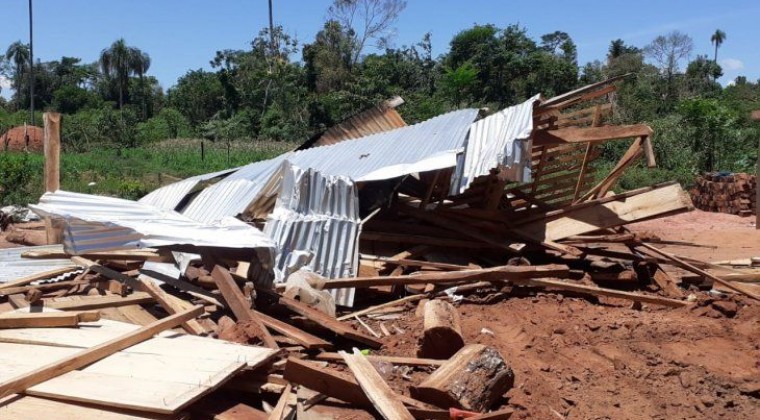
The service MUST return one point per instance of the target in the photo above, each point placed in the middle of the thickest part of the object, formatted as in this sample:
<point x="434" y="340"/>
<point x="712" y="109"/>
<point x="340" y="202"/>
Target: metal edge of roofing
<point x="169" y="196"/>
<point x="13" y="265"/>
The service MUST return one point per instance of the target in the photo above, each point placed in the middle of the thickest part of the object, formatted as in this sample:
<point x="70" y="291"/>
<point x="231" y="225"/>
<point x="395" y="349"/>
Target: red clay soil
<point x="15" y="139"/>
<point x="577" y="359"/>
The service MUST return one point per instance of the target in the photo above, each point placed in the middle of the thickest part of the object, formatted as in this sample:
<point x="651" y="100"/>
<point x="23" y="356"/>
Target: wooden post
<point x="52" y="147"/>
<point x="756" y="117"/>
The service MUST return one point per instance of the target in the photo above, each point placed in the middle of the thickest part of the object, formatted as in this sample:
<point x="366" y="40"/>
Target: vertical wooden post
<point x="756" y="117"/>
<point x="52" y="147"/>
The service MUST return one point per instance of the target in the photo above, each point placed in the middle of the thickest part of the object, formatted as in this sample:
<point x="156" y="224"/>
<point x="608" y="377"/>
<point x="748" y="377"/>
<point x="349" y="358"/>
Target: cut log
<point x="472" y="379"/>
<point x="443" y="330"/>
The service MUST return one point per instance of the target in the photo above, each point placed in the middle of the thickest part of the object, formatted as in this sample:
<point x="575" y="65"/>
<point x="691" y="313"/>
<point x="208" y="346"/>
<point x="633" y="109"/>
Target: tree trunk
<point x="443" y="332"/>
<point x="473" y="379"/>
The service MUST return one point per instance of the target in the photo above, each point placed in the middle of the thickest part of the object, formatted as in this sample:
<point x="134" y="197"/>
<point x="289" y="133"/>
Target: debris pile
<point x="270" y="290"/>
<point x="732" y="193"/>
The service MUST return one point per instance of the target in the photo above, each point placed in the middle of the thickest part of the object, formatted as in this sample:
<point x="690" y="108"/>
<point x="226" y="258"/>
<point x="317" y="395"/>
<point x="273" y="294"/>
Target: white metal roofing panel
<point x="318" y="214"/>
<point x="502" y="138"/>
<point x="168" y="197"/>
<point x="14" y="266"/>
<point x="96" y="223"/>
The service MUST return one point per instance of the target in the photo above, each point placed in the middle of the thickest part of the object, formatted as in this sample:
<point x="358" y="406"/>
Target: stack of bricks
<point x="726" y="193"/>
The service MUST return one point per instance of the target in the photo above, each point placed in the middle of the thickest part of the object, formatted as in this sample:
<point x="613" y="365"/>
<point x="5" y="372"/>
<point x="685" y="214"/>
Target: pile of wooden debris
<point x="109" y="334"/>
<point x="732" y="193"/>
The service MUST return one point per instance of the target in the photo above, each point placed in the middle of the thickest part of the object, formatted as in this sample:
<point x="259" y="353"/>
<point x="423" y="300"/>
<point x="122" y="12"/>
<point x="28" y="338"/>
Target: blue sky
<point x="184" y="34"/>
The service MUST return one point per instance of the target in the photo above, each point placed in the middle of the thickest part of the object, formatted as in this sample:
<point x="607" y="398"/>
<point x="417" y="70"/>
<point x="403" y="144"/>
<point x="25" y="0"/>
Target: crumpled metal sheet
<point x="500" y="139"/>
<point x="13" y="266"/>
<point x="320" y="215"/>
<point x="96" y="223"/>
<point x="170" y="196"/>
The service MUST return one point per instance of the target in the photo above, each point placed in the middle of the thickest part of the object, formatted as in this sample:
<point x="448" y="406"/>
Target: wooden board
<point x="28" y="407"/>
<point x="382" y="396"/>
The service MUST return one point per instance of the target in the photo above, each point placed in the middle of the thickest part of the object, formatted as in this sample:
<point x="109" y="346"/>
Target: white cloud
<point x="731" y="64"/>
<point x="5" y="83"/>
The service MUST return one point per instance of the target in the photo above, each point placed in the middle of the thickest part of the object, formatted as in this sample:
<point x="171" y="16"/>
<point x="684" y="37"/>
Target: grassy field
<point x="128" y="173"/>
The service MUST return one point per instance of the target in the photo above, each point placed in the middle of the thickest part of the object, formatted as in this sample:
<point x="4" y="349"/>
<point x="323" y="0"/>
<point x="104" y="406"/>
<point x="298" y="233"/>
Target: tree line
<point x="281" y="89"/>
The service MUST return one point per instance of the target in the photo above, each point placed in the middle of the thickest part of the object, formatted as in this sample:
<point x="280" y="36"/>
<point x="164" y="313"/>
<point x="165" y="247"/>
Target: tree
<point x="717" y="38"/>
<point x="366" y="20"/>
<point x="198" y="95"/>
<point x="120" y="61"/>
<point x="667" y="51"/>
<point x="618" y="49"/>
<point x="18" y="54"/>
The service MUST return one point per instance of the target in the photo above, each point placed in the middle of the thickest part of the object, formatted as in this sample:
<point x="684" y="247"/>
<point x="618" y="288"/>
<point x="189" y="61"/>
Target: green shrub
<point x="17" y="172"/>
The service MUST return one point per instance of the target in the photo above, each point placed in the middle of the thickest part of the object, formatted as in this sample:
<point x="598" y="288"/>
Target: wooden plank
<point x="93" y="354"/>
<point x="282" y="403"/>
<point x="375" y="308"/>
<point x="135" y="314"/>
<point x="599" y="291"/>
<point x="97" y="302"/>
<point x="308" y="341"/>
<point x="396" y="360"/>
<point x="386" y="401"/>
<point x="590" y="134"/>
<point x="28" y="407"/>
<point x="46" y="319"/>
<point x="324" y="320"/>
<point x="502" y="273"/>
<point x="23" y="281"/>
<point x="610" y="213"/>
<point x="686" y="266"/>
<point x="170" y="305"/>
<point x="581" y="91"/>
<point x="238" y="304"/>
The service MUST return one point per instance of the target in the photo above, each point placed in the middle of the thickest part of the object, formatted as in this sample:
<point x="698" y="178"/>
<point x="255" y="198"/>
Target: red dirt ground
<point x="15" y="138"/>
<point x="576" y="359"/>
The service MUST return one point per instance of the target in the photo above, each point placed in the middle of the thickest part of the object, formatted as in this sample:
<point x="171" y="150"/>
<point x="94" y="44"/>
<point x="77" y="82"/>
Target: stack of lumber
<point x="111" y="336"/>
<point x="726" y="193"/>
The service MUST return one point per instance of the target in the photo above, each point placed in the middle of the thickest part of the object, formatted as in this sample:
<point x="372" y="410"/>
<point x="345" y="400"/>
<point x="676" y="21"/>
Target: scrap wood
<point x="686" y="266"/>
<point x="186" y="287"/>
<point x="170" y="305"/>
<point x="413" y="263"/>
<point x="321" y="319"/>
<point x="497" y="274"/>
<point x="308" y="341"/>
<point x="23" y="281"/>
<point x="282" y="404"/>
<point x="334" y="384"/>
<point x="130" y="254"/>
<point x="89" y="302"/>
<point x="600" y="291"/>
<point x="46" y="319"/>
<point x="371" y="309"/>
<point x="85" y="357"/>
<point x="239" y="305"/>
<point x="442" y="330"/>
<point x="386" y="401"/>
<point x="396" y="360"/>
<point x="590" y="134"/>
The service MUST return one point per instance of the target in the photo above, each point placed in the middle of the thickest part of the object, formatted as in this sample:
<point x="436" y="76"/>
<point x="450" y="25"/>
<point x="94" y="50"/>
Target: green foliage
<point x="16" y="173"/>
<point x="198" y="95"/>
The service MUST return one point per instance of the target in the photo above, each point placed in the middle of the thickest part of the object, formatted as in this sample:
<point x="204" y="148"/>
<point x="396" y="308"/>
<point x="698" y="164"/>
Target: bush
<point x="16" y="174"/>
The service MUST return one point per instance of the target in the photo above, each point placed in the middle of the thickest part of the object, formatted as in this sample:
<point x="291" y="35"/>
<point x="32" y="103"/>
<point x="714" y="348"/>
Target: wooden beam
<point x="52" y="149"/>
<point x="238" y="304"/>
<point x="581" y="90"/>
<point x="396" y="360"/>
<point x="401" y="301"/>
<point x="97" y="302"/>
<point x="323" y="320"/>
<point x="169" y="304"/>
<point x="686" y="266"/>
<point x="386" y="401"/>
<point x="308" y="341"/>
<point x="590" y="134"/>
<point x="600" y="291"/>
<point x="46" y="319"/>
<point x="23" y="281"/>
<point x="502" y="273"/>
<point x="91" y="355"/>
<point x="610" y="212"/>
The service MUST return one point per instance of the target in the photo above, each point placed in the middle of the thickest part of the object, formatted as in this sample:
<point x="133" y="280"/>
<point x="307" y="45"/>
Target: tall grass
<point x="132" y="173"/>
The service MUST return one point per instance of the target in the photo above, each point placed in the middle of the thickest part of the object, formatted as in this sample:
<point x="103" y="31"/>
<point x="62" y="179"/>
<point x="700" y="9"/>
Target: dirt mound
<point x="15" y="139"/>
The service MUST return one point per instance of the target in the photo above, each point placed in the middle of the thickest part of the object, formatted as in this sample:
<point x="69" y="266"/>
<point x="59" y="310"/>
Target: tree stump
<point x="443" y="331"/>
<point x="473" y="379"/>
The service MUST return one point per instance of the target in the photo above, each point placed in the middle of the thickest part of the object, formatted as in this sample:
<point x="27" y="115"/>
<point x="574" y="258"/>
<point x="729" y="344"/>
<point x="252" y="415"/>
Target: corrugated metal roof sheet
<point x="168" y="197"/>
<point x="13" y="266"/>
<point x="502" y="138"/>
<point x="320" y="215"/>
<point x="96" y="223"/>
<point x="381" y="118"/>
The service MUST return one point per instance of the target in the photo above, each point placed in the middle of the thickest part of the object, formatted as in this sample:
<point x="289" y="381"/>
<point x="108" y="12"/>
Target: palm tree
<point x="18" y="54"/>
<point x="121" y="61"/>
<point x="141" y="64"/>
<point x="717" y="38"/>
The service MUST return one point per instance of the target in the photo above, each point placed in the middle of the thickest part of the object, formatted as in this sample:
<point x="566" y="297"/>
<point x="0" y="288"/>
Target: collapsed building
<point x="463" y="200"/>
